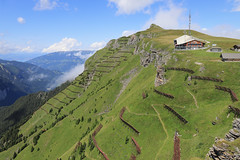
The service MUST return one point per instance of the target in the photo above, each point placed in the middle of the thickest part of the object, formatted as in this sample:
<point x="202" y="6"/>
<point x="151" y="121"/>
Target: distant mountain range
<point x="18" y="79"/>
<point x="61" y="61"/>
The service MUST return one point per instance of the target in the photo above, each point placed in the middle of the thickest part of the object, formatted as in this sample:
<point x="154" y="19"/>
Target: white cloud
<point x="236" y="7"/>
<point x="224" y="31"/>
<point x="45" y="5"/>
<point x="6" y="47"/>
<point x="68" y="76"/>
<point x="97" y="45"/>
<point x="66" y="44"/>
<point x="131" y="6"/>
<point x="21" y="20"/>
<point x="83" y="56"/>
<point x="171" y="17"/>
<point x="27" y="49"/>
<point x="127" y="33"/>
<point x="37" y="76"/>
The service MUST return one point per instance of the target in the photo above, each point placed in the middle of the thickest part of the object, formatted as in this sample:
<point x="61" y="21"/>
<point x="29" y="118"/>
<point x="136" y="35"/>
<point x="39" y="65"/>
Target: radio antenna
<point x="190" y="18"/>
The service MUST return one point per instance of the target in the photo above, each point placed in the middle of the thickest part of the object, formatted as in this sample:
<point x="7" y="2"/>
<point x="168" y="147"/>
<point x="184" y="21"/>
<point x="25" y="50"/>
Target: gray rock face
<point x="133" y="40"/>
<point x="160" y="57"/>
<point x="116" y="44"/>
<point x="109" y="44"/>
<point x="221" y="150"/>
<point x="160" y="79"/>
<point x="235" y="132"/>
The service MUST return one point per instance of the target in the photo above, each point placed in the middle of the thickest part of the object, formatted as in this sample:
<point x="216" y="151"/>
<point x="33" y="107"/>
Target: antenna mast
<point x="190" y="18"/>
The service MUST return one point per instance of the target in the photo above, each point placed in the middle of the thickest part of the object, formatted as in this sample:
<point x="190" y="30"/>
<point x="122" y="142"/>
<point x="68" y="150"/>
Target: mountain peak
<point x="155" y="26"/>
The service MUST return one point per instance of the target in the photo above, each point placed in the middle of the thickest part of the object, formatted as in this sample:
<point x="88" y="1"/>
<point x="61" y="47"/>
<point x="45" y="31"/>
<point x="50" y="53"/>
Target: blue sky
<point x="42" y="26"/>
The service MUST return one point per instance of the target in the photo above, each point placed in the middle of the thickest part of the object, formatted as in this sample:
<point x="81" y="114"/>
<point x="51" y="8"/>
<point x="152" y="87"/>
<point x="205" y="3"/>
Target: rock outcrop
<point x="224" y="149"/>
<point x="160" y="79"/>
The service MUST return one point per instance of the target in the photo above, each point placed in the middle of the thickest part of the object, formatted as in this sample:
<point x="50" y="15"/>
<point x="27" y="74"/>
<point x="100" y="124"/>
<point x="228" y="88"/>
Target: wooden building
<point x="215" y="49"/>
<point x="188" y="42"/>
<point x="230" y="57"/>
<point x="236" y="47"/>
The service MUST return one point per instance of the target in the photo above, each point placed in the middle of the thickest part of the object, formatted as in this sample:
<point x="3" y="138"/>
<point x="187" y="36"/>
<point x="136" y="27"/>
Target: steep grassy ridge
<point x="101" y="92"/>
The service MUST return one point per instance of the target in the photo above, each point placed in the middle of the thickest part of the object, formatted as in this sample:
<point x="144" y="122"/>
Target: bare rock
<point x="116" y="44"/>
<point x="133" y="40"/>
<point x="109" y="44"/>
<point x="223" y="151"/>
<point x="202" y="69"/>
<point x="160" y="79"/>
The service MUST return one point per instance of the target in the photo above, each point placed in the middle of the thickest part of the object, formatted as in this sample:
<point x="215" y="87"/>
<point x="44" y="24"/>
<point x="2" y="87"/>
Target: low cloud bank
<point x="68" y="76"/>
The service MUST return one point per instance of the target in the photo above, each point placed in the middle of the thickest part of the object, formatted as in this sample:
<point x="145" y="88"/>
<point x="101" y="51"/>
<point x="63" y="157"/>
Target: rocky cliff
<point x="227" y="148"/>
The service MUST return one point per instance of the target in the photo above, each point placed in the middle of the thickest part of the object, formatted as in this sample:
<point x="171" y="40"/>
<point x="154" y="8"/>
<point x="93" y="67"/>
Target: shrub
<point x="89" y="120"/>
<point x="127" y="140"/>
<point x="195" y="82"/>
<point x="186" y="77"/>
<point x="78" y="121"/>
<point x="14" y="155"/>
<point x="32" y="149"/>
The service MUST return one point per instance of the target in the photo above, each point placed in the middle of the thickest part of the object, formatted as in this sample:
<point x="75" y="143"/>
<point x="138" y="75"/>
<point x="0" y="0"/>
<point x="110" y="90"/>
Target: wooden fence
<point x="95" y="142"/>
<point x="137" y="146"/>
<point x="52" y="105"/>
<point x="181" y="69"/>
<point x="128" y="124"/>
<point x="133" y="157"/>
<point x="114" y="57"/>
<point x="59" y="100"/>
<point x="163" y="94"/>
<point x="177" y="152"/>
<point x="108" y="61"/>
<point x="176" y="114"/>
<point x="72" y="91"/>
<point x="105" y="66"/>
<point x="233" y="95"/>
<point x="124" y="52"/>
<point x="235" y="110"/>
<point x="206" y="78"/>
<point x="67" y="96"/>
<point x="102" y="71"/>
<point x="77" y="145"/>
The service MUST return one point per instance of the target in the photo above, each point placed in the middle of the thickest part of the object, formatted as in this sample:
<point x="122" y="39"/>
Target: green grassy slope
<point x="98" y="98"/>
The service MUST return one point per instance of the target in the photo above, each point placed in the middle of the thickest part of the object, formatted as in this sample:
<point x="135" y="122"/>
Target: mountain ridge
<point x="97" y="96"/>
<point x="61" y="61"/>
<point x="19" y="79"/>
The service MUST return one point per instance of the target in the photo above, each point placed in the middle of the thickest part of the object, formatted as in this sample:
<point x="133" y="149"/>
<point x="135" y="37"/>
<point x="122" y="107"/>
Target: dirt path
<point x="195" y="100"/>
<point x="165" y="130"/>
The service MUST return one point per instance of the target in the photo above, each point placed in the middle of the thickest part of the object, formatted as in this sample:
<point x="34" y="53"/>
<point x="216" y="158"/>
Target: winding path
<point x="195" y="100"/>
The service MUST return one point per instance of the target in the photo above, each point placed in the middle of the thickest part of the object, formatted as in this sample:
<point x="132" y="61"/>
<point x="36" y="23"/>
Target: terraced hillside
<point x="113" y="110"/>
